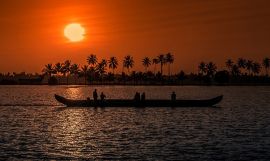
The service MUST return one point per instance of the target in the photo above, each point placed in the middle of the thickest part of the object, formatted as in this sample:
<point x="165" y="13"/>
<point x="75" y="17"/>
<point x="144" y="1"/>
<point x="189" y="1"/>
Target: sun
<point x="74" y="32"/>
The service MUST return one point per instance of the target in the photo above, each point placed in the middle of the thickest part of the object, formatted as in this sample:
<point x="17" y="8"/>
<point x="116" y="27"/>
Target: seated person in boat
<point x="173" y="96"/>
<point x="143" y="97"/>
<point x="102" y="96"/>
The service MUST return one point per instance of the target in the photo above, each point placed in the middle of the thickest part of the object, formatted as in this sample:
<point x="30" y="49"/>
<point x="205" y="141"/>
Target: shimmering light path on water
<point x="34" y="126"/>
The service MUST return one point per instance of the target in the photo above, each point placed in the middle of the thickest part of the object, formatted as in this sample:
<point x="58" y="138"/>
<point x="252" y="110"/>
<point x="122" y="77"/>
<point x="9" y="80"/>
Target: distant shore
<point x="141" y="83"/>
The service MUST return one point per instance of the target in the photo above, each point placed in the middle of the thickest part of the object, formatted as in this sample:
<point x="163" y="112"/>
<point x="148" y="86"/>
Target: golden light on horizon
<point x="74" y="32"/>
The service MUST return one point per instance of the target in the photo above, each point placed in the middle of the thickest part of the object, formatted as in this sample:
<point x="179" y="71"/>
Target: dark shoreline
<point x="125" y="84"/>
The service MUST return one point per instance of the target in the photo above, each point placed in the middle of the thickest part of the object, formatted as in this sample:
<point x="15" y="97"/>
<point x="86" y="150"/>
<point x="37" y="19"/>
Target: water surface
<point x="34" y="126"/>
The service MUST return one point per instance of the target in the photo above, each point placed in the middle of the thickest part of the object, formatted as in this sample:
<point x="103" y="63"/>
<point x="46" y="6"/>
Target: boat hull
<point x="133" y="103"/>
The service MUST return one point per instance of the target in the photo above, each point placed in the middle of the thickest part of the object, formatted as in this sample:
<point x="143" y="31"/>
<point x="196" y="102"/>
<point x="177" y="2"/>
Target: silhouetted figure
<point x="173" y="96"/>
<point x="95" y="95"/>
<point x="137" y="97"/>
<point x="143" y="97"/>
<point x="102" y="96"/>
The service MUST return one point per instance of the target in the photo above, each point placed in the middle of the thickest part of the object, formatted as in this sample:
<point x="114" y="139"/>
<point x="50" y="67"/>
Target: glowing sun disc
<point x="74" y="32"/>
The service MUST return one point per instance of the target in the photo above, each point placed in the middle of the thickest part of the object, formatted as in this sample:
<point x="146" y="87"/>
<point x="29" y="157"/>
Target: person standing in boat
<point x="173" y="96"/>
<point x="137" y="97"/>
<point x="95" y="95"/>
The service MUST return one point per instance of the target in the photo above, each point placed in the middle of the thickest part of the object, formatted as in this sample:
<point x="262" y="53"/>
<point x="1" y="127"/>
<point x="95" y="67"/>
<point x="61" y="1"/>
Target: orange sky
<point x="193" y="30"/>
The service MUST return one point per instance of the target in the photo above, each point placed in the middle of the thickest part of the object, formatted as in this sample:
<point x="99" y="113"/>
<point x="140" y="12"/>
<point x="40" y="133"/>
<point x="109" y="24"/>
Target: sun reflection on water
<point x="71" y="132"/>
<point x="74" y="93"/>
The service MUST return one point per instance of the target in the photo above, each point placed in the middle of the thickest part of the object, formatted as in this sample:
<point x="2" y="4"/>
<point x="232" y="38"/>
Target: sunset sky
<point x="32" y="31"/>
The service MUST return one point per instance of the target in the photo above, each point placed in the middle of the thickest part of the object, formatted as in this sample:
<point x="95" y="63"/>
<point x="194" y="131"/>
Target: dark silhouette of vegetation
<point x="155" y="62"/>
<point x="237" y="72"/>
<point x="266" y="65"/>
<point x="113" y="63"/>
<point x="84" y="72"/>
<point x="146" y="63"/>
<point x="162" y="62"/>
<point x="128" y="62"/>
<point x="169" y="60"/>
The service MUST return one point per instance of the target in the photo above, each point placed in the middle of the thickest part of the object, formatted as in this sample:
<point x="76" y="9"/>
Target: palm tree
<point x="92" y="60"/>
<point x="202" y="68"/>
<point x="84" y="70"/>
<point x="235" y="70"/>
<point x="155" y="62"/>
<point x="229" y="64"/>
<point x="128" y="62"/>
<point x="242" y="63"/>
<point x="101" y="68"/>
<point x="104" y="62"/>
<point x="249" y="66"/>
<point x="58" y="69"/>
<point x="162" y="61"/>
<point x="170" y="60"/>
<point x="48" y="70"/>
<point x="256" y="68"/>
<point x="113" y="63"/>
<point x="146" y="63"/>
<point x="211" y="69"/>
<point x="66" y="68"/>
<point x="266" y="65"/>
<point x="75" y="70"/>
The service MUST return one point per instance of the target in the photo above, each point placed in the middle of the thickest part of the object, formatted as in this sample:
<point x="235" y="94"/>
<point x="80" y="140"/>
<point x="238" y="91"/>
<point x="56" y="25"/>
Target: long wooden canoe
<point x="133" y="103"/>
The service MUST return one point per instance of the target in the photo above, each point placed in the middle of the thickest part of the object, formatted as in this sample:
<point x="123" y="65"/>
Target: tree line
<point x="104" y="70"/>
<point x="95" y="69"/>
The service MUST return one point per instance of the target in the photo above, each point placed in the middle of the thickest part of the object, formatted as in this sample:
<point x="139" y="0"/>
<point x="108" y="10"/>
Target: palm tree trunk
<point x="75" y="77"/>
<point x="161" y="69"/>
<point x="169" y="73"/>
<point x="67" y="79"/>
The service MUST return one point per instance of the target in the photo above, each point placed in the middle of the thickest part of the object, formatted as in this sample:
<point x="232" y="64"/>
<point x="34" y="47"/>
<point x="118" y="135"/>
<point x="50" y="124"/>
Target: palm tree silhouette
<point x="242" y="63"/>
<point x="75" y="70"/>
<point x="58" y="69"/>
<point x="229" y="64"/>
<point x="256" y="68"/>
<point x="101" y="68"/>
<point x="162" y="61"/>
<point x="211" y="69"/>
<point x="84" y="70"/>
<point x="48" y="70"/>
<point x="146" y="63"/>
<point x="155" y="62"/>
<point x="113" y="63"/>
<point x="266" y="65"/>
<point x="170" y="60"/>
<point x="249" y="65"/>
<point x="92" y="60"/>
<point x="235" y="70"/>
<point x="66" y="69"/>
<point x="128" y="62"/>
<point x="202" y="68"/>
<point x="104" y="62"/>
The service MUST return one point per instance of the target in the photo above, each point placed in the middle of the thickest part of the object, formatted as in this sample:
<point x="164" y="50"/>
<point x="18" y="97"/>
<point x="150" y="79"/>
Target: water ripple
<point x="34" y="126"/>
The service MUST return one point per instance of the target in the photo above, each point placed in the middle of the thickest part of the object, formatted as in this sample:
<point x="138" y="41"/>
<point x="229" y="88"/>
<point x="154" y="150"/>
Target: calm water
<point x="34" y="126"/>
